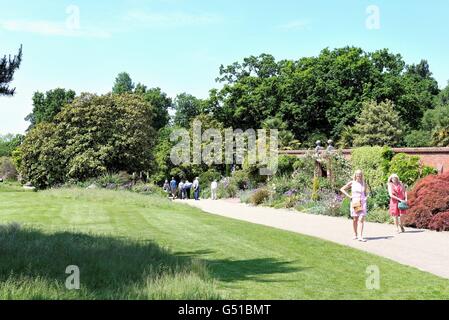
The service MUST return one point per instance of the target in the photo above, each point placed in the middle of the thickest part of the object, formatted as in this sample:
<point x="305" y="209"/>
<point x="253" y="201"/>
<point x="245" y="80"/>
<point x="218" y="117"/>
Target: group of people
<point x="359" y="196"/>
<point x="183" y="189"/>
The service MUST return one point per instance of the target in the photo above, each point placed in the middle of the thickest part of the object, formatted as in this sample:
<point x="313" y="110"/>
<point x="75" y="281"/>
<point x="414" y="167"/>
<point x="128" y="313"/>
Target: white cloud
<point x="174" y="19"/>
<point x="50" y="28"/>
<point x="294" y="25"/>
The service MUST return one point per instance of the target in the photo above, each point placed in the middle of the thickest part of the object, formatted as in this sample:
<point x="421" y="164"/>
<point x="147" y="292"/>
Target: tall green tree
<point x="8" y="66"/>
<point x="123" y="84"/>
<point x="47" y="106"/>
<point x="379" y="124"/>
<point x="187" y="107"/>
<point x="160" y="102"/>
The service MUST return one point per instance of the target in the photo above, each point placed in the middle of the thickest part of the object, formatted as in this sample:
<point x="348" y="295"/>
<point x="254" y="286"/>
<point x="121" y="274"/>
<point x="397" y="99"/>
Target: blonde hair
<point x="394" y="175"/>
<point x="354" y="177"/>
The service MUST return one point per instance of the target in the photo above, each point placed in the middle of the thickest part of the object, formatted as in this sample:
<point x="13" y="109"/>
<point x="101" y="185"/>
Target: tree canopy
<point x="322" y="94"/>
<point x="91" y="136"/>
<point x="47" y="106"/>
<point x="8" y="66"/>
<point x="123" y="84"/>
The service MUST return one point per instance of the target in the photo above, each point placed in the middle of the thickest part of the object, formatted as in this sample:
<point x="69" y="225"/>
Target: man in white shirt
<point x="213" y="189"/>
<point x="196" y="188"/>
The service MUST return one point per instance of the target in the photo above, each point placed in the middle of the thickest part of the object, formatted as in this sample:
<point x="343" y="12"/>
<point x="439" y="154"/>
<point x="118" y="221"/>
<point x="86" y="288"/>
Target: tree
<point x="8" y="66"/>
<point x="47" y="106"/>
<point x="160" y="102"/>
<point x="123" y="84"/>
<point x="91" y="136"/>
<point x="286" y="138"/>
<point x="320" y="95"/>
<point x="187" y="108"/>
<point x="435" y="122"/>
<point x="379" y="124"/>
<point x="8" y="143"/>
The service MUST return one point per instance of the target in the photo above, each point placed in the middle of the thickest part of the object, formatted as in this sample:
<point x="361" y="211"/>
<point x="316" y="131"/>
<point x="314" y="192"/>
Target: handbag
<point x="403" y="206"/>
<point x="357" y="205"/>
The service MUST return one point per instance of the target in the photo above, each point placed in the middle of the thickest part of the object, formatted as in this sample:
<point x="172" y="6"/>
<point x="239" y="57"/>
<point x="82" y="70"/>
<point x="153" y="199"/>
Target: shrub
<point x="427" y="171"/>
<point x="406" y="167"/>
<point x="148" y="189"/>
<point x="112" y="179"/>
<point x="286" y="165"/>
<point x="440" y="222"/>
<point x="283" y="184"/>
<point x="259" y="196"/>
<point x="245" y="196"/>
<point x="429" y="197"/>
<point x="373" y="161"/>
<point x="241" y="179"/>
<point x="379" y="215"/>
<point x="380" y="198"/>
<point x="291" y="201"/>
<point x="227" y="189"/>
<point x="7" y="169"/>
<point x="329" y="205"/>
<point x="345" y="207"/>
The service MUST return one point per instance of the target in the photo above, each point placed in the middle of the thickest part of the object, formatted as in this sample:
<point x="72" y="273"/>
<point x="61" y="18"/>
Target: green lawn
<point x="142" y="247"/>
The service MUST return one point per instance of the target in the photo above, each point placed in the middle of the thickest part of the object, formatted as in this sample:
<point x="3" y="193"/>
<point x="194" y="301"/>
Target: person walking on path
<point x="398" y="201"/>
<point x="213" y="189"/>
<point x="196" y="188"/>
<point x="173" y="187"/>
<point x="166" y="186"/>
<point x="358" y="198"/>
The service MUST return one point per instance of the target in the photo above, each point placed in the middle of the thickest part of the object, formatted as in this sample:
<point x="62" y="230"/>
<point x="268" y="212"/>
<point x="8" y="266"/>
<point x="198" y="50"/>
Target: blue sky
<point x="178" y="45"/>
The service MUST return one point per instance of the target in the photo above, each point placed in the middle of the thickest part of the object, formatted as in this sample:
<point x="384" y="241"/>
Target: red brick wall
<point x="434" y="157"/>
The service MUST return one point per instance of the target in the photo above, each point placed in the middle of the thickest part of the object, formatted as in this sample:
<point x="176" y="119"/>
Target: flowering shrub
<point x="429" y="201"/>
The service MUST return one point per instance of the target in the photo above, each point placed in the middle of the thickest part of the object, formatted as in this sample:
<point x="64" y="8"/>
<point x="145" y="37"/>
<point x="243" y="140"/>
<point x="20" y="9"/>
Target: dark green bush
<point x="345" y="207"/>
<point x="379" y="198"/>
<point x="286" y="165"/>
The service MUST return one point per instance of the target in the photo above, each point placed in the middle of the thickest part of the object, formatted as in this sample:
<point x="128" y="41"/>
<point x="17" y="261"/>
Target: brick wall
<point x="434" y="157"/>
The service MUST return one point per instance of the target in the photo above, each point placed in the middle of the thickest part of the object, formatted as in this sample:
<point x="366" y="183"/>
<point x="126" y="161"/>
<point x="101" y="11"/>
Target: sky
<point x="179" y="45"/>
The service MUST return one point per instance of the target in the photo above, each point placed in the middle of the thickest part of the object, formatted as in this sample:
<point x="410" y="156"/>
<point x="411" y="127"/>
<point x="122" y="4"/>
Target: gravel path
<point x="422" y="249"/>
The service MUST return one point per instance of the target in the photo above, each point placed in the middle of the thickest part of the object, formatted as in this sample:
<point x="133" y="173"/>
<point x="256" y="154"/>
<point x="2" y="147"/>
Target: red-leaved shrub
<point x="440" y="222"/>
<point x="429" y="203"/>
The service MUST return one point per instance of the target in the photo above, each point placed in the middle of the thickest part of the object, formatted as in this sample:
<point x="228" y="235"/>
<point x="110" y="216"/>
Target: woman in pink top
<point x="358" y="198"/>
<point x="397" y="194"/>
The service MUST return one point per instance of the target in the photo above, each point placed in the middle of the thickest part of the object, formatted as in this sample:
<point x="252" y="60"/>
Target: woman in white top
<point x="358" y="198"/>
